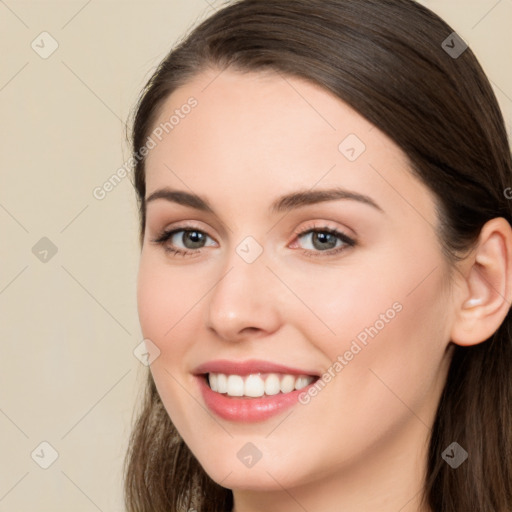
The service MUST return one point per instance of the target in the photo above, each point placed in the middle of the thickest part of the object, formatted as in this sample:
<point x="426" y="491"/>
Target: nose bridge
<point x="241" y="301"/>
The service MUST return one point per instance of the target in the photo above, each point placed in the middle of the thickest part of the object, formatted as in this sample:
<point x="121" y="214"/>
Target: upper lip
<point x="248" y="367"/>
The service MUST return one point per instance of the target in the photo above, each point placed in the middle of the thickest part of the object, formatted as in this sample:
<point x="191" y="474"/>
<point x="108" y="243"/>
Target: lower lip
<point x="248" y="410"/>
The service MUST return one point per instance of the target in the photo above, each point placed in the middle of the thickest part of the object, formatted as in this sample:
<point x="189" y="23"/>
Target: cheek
<point x="335" y="305"/>
<point x="392" y="329"/>
<point x="394" y="308"/>
<point x="166" y="315"/>
<point x="152" y="302"/>
<point x="158" y="303"/>
<point x="164" y="296"/>
<point x="170" y="302"/>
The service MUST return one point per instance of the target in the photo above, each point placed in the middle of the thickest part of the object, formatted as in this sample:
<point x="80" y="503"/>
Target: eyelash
<point x="348" y="242"/>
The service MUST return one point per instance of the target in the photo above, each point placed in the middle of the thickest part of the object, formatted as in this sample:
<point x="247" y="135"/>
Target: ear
<point x="485" y="298"/>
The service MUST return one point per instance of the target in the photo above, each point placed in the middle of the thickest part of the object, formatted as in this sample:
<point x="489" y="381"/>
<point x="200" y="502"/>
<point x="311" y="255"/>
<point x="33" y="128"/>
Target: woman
<point x="325" y="275"/>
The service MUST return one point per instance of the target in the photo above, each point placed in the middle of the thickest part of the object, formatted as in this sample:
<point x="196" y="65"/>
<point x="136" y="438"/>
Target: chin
<point x="260" y="477"/>
<point x="249" y="480"/>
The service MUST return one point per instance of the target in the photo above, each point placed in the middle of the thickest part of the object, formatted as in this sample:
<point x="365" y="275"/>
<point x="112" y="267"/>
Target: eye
<point x="317" y="241"/>
<point x="183" y="241"/>
<point x="321" y="241"/>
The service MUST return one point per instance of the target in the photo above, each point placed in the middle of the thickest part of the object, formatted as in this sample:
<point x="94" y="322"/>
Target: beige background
<point x="68" y="375"/>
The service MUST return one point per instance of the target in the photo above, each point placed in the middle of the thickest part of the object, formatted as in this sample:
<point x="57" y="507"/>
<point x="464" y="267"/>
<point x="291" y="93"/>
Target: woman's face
<point x="310" y="252"/>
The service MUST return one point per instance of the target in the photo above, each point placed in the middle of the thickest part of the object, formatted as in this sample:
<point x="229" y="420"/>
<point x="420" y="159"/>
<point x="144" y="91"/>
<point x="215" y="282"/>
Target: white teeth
<point x="287" y="384"/>
<point x="272" y="385"/>
<point x="235" y="385"/>
<point x="301" y="382"/>
<point x="212" y="379"/>
<point x="255" y="385"/>
<point x="222" y="383"/>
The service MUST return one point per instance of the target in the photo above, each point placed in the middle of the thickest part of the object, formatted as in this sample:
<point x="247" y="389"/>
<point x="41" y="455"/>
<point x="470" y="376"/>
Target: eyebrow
<point x="282" y="204"/>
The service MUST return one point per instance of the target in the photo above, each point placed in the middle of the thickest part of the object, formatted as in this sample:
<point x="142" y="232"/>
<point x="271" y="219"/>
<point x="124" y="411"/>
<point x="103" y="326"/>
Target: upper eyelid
<point x="303" y="231"/>
<point x="209" y="218"/>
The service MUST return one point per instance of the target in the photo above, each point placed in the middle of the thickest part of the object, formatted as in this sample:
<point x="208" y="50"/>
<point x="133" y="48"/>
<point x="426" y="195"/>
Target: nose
<point x="244" y="301"/>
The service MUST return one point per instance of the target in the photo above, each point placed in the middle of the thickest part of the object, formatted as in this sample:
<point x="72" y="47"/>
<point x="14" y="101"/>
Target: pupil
<point x="327" y="240"/>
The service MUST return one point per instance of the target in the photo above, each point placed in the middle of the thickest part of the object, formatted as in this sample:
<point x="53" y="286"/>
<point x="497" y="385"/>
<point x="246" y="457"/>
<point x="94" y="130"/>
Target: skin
<point x="360" y="444"/>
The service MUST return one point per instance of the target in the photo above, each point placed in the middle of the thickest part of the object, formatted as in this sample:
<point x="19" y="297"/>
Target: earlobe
<point x="487" y="286"/>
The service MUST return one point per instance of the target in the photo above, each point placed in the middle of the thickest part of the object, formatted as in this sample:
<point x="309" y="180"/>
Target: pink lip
<point x="248" y="367"/>
<point x="243" y="409"/>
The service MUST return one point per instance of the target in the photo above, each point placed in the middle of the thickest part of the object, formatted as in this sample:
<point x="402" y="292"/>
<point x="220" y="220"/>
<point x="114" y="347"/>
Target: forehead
<point x="252" y="132"/>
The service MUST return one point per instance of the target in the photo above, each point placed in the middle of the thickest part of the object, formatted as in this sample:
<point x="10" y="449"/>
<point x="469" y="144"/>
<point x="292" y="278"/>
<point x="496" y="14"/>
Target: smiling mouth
<point x="258" y="384"/>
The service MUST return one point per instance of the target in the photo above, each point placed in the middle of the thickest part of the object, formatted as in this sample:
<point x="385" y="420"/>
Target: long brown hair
<point x="393" y="62"/>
